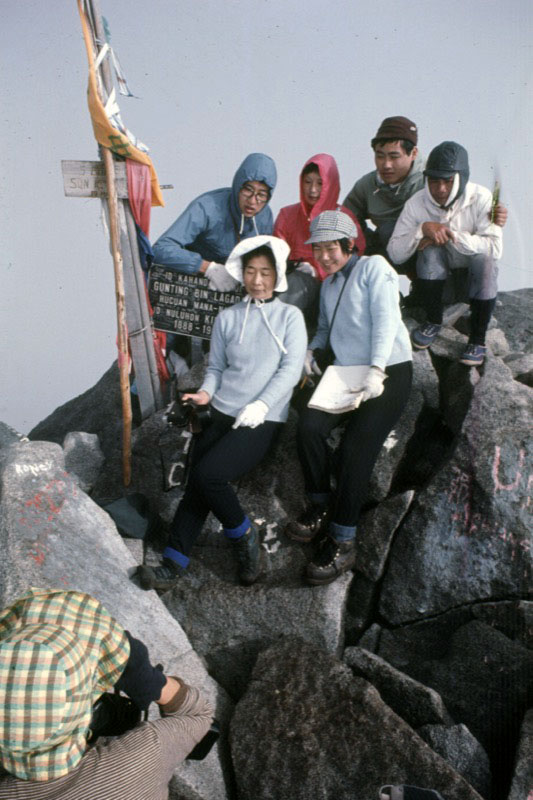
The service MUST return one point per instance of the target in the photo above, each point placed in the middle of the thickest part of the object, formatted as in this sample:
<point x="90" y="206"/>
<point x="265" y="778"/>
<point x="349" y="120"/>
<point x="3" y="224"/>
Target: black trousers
<point x="220" y="455"/>
<point x="366" y="429"/>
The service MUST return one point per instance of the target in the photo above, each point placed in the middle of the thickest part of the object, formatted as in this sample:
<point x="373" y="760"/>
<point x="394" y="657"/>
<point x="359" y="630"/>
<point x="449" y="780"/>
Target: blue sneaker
<point x="423" y="336"/>
<point x="474" y="355"/>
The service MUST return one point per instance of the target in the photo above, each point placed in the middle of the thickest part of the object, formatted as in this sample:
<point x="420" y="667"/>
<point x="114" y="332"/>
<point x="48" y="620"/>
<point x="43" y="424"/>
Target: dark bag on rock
<point x="131" y="514"/>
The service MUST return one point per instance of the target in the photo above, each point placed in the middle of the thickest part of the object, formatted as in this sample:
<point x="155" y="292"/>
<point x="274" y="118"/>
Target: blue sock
<point x="176" y="556"/>
<point x="240" y="530"/>
<point x="342" y="533"/>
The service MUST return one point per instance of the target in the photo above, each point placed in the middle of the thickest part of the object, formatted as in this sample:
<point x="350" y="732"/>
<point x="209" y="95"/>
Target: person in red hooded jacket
<point x="319" y="191"/>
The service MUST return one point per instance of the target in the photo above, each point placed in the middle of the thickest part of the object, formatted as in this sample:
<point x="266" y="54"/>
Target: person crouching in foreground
<point x="256" y="357"/>
<point x="449" y="224"/>
<point x="360" y="321"/>
<point x="59" y="651"/>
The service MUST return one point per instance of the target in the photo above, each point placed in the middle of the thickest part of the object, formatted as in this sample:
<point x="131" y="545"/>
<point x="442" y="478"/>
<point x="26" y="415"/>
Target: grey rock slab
<point x="522" y="784"/>
<point x="229" y="625"/>
<point x="394" y="447"/>
<point x="136" y="548"/>
<point x="457" y="385"/>
<point x="306" y="728"/>
<point x="360" y="608"/>
<point x="415" y="703"/>
<point x="9" y="435"/>
<point x="98" y="410"/>
<point x="147" y="465"/>
<point x="514" y="315"/>
<point x="83" y="457"/>
<point x="52" y="534"/>
<point x="449" y="344"/>
<point x="485" y="681"/>
<point x="407" y="646"/>
<point x="371" y="638"/>
<point x="375" y="533"/>
<point x="454" y="312"/>
<point x="462" y="751"/>
<point x="521" y="366"/>
<point x="425" y="378"/>
<point x="468" y="536"/>
<point x="496" y="341"/>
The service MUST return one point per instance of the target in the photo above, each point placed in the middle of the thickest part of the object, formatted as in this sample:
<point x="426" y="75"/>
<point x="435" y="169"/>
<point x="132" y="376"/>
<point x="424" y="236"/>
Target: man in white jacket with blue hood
<point x="448" y="224"/>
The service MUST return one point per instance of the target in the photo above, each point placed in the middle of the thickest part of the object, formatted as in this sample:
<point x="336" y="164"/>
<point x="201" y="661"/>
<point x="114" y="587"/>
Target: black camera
<point x="187" y="414"/>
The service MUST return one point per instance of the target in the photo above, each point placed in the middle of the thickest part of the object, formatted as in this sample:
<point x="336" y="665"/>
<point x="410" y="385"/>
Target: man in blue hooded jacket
<point x="202" y="237"/>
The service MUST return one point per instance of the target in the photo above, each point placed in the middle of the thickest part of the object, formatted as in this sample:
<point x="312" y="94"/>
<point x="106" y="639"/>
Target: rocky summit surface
<point x="415" y="667"/>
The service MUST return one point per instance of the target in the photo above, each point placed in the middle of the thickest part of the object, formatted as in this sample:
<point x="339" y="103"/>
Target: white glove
<point x="373" y="384"/>
<point x="307" y="268"/>
<point x="219" y="278"/>
<point x="251" y="415"/>
<point x="310" y="365"/>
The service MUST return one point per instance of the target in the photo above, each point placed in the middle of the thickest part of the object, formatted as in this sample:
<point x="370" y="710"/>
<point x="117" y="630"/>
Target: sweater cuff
<point x="176" y="702"/>
<point x="209" y="386"/>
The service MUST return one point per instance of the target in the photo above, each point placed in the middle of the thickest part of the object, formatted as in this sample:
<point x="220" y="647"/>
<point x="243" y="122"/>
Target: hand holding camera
<point x="190" y="410"/>
<point x="200" y="398"/>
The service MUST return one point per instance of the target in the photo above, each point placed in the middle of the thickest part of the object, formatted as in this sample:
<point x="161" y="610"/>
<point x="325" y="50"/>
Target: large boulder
<point x="483" y="677"/>
<point x="467" y="536"/>
<point x="415" y="703"/>
<point x="98" y="410"/>
<point x="521" y="366"/>
<point x="523" y="773"/>
<point x="9" y="435"/>
<point x="430" y="638"/>
<point x="375" y="534"/>
<point x="83" y="457"/>
<point x="229" y="625"/>
<point x="513" y="313"/>
<point x="307" y="728"/>
<point x="53" y="535"/>
<point x="462" y="751"/>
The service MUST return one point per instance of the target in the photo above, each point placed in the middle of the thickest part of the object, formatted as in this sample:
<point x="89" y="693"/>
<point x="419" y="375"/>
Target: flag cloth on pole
<point x="105" y="133"/>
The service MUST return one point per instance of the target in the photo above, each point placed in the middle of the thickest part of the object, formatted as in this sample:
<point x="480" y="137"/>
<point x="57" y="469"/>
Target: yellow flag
<point x="105" y="134"/>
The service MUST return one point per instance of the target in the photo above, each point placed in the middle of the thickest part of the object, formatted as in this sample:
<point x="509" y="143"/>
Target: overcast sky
<point x="218" y="79"/>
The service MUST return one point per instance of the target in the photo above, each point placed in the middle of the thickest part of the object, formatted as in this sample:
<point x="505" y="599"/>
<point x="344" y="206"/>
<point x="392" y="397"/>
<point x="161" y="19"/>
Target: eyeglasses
<point x="261" y="196"/>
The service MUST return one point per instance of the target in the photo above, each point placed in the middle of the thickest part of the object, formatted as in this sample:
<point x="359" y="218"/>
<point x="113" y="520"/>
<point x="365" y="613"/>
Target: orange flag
<point x="105" y="134"/>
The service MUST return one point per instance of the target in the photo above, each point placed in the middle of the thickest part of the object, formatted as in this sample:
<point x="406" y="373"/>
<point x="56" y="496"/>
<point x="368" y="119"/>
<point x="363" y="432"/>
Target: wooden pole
<point x="123" y="358"/>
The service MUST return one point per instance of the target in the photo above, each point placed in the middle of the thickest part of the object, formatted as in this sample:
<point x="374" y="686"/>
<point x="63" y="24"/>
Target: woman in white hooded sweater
<point x="256" y="357"/>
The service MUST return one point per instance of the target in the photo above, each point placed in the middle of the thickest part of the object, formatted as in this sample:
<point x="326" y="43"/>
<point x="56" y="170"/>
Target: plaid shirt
<point x="58" y="652"/>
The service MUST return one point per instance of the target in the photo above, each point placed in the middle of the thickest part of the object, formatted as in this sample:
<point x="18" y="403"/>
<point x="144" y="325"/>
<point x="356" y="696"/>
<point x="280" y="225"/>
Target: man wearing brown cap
<point x="379" y="196"/>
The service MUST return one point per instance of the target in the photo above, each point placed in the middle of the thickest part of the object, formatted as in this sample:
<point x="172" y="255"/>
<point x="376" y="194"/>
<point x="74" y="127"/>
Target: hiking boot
<point x="424" y="335"/>
<point x="163" y="577"/>
<point x="331" y="560"/>
<point x="249" y="556"/>
<point x="308" y="524"/>
<point x="474" y="355"/>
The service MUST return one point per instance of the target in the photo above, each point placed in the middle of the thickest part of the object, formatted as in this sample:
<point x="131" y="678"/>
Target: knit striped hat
<point x="58" y="652"/>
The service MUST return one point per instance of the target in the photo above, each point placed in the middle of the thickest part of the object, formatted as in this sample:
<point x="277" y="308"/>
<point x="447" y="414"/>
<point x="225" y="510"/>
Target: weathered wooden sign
<point x="184" y="303"/>
<point x="88" y="179"/>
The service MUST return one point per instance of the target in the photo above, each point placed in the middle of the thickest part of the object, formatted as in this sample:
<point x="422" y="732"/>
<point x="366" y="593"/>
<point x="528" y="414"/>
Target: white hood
<point x="279" y="248"/>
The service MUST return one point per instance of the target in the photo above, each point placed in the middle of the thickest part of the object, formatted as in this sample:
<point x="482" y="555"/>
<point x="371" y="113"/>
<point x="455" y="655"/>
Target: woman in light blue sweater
<point x="359" y="324"/>
<point x="257" y="352"/>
